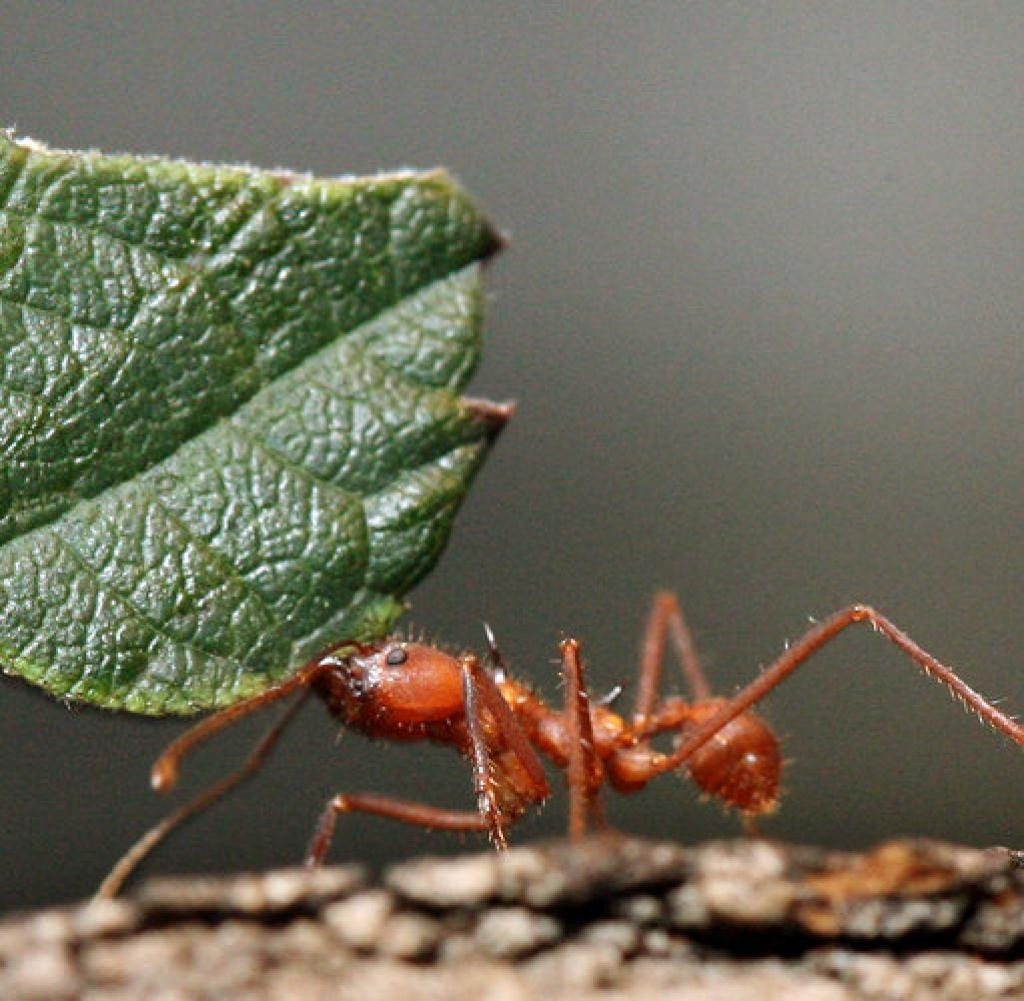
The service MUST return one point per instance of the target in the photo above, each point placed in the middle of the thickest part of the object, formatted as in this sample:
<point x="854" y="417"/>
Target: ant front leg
<point x="473" y="695"/>
<point x="480" y="691"/>
<point x="812" y="641"/>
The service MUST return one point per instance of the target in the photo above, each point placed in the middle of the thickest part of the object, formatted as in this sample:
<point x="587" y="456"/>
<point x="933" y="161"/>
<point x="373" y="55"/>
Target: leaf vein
<point x="158" y="628"/>
<point x="57" y="314"/>
<point x="289" y="463"/>
<point x="97" y="233"/>
<point x="217" y="557"/>
<point x="161" y="257"/>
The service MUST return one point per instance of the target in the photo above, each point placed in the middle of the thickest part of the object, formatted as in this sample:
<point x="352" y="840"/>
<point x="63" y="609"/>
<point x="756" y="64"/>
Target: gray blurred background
<point x="762" y="311"/>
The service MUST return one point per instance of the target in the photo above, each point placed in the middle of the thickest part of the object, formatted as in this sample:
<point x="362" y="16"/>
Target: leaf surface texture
<point x="230" y="425"/>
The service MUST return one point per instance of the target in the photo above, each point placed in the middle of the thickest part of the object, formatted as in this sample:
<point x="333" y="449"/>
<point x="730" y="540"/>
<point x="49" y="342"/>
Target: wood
<point x="741" y="920"/>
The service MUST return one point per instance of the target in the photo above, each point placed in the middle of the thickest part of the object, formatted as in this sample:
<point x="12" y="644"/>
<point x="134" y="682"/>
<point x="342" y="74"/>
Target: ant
<point x="403" y="690"/>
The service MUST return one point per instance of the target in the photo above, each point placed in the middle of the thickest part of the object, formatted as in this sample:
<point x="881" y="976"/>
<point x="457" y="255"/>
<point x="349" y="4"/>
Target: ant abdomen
<point x="741" y="765"/>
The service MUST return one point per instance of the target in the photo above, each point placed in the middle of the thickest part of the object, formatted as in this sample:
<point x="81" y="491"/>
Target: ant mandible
<point x="403" y="690"/>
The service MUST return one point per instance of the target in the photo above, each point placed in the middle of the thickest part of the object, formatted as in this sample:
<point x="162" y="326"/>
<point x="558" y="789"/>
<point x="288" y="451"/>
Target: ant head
<point x="400" y="683"/>
<point x="741" y="765"/>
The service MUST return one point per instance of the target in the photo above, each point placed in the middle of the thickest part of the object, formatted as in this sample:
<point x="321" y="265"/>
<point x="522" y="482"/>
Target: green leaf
<point x="230" y="428"/>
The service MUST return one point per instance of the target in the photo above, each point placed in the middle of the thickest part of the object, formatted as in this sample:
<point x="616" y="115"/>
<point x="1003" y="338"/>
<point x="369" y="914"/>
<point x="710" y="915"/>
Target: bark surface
<point x="611" y="918"/>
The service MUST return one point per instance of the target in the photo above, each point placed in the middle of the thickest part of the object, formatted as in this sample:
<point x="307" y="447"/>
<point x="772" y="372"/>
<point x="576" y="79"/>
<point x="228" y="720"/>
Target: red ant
<point x="403" y="690"/>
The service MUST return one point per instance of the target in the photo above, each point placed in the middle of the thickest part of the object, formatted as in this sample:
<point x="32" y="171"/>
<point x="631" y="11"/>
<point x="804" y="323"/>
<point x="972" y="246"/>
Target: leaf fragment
<point x="230" y="424"/>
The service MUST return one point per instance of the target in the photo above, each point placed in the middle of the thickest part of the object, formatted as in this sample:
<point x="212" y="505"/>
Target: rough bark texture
<point x="613" y="918"/>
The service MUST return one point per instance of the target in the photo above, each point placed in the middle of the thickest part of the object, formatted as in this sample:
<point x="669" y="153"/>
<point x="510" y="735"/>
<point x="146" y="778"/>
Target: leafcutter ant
<point x="397" y="689"/>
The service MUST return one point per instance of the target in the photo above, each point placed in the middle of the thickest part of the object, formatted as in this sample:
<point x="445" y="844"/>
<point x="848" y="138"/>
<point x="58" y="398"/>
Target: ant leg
<point x="418" y="814"/>
<point x="480" y="691"/>
<point x="666" y="620"/>
<point x="508" y="724"/>
<point x="487" y="802"/>
<point x="127" y="864"/>
<point x="812" y="641"/>
<point x="509" y="729"/>
<point x="584" y="771"/>
<point x="164" y="774"/>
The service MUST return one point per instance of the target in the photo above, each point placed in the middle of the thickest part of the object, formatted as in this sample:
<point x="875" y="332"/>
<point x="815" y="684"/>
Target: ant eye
<point x="395" y="656"/>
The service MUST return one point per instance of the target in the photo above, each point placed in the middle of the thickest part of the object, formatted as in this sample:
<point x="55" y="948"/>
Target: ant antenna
<point x="494" y="657"/>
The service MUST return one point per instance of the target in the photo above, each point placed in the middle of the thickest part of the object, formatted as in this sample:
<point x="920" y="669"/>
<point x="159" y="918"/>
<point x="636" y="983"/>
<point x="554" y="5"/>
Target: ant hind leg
<point x="666" y="622"/>
<point x="813" y="640"/>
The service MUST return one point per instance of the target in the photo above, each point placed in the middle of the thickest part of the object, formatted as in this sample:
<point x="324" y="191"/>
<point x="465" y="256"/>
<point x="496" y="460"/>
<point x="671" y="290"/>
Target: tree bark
<point x="609" y="918"/>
